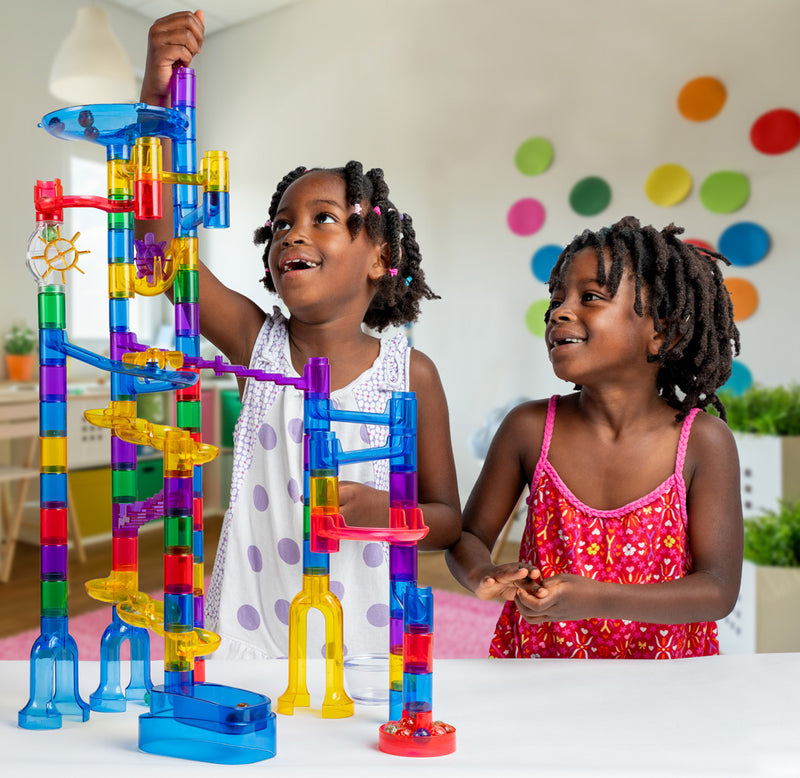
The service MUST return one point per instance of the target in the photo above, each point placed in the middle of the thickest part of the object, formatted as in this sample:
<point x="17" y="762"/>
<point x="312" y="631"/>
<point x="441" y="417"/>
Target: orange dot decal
<point x="743" y="296"/>
<point x="702" y="98"/>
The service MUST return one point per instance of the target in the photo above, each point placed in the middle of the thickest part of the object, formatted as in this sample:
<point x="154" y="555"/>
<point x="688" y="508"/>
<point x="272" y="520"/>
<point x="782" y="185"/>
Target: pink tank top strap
<point x="548" y="436"/>
<point x="683" y="441"/>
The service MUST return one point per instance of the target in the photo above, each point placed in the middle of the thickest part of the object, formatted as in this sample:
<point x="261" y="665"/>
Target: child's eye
<point x="280" y="225"/>
<point x="325" y="218"/>
<point x="589" y="296"/>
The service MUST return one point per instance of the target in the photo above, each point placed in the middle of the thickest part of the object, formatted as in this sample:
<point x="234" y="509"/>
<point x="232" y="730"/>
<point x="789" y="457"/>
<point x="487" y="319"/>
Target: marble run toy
<point x="189" y="717"/>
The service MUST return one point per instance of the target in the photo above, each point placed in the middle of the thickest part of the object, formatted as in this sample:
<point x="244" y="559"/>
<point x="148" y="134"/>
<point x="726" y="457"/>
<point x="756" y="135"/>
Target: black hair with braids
<point x="397" y="296"/>
<point x="685" y="294"/>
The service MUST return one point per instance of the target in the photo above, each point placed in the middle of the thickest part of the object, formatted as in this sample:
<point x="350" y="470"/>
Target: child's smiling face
<point x="592" y="335"/>
<point x="315" y="263"/>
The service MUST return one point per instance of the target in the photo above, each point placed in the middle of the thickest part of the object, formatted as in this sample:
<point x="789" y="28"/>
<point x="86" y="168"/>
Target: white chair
<point x="20" y="420"/>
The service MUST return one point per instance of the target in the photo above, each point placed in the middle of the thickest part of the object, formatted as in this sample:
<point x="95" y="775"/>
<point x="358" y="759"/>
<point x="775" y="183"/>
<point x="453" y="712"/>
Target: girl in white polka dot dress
<point x="341" y="257"/>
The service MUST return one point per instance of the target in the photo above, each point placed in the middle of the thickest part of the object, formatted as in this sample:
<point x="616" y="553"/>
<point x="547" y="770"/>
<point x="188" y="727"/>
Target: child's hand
<point x="363" y="506"/>
<point x="562" y="597"/>
<point x="506" y="580"/>
<point x="173" y="40"/>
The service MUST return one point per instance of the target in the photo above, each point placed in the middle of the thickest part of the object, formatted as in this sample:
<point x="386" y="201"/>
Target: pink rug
<point x="463" y="628"/>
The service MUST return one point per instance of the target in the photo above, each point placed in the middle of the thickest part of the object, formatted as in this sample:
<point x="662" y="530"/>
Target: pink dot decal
<point x="776" y="132"/>
<point x="526" y="216"/>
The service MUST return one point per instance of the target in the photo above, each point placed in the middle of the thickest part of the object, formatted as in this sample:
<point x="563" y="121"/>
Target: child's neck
<point x="348" y="349"/>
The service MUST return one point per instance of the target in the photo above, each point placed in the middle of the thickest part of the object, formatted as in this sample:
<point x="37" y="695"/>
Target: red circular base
<point x="417" y="746"/>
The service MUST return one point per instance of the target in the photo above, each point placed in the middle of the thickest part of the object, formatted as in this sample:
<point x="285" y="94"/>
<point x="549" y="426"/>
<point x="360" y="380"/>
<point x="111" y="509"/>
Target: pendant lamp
<point x="91" y="66"/>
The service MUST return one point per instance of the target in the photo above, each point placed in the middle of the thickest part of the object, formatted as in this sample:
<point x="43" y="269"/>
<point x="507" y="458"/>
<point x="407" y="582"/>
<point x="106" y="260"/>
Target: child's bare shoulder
<point x="711" y="438"/>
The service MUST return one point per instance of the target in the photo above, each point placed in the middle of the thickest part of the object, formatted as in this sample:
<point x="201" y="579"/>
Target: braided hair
<point x="686" y="296"/>
<point x="397" y="295"/>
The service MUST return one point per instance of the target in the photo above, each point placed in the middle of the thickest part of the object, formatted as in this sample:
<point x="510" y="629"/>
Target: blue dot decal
<point x="741" y="379"/>
<point x="744" y="243"/>
<point x="543" y="261"/>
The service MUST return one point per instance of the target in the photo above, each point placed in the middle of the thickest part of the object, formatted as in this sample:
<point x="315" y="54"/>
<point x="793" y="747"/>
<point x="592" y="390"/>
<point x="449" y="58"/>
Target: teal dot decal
<point x="744" y="243"/>
<point x="725" y="191"/>
<point x="590" y="196"/>
<point x="741" y="379"/>
<point x="534" y="156"/>
<point x="534" y="317"/>
<point x="526" y="216"/>
<point x="543" y="261"/>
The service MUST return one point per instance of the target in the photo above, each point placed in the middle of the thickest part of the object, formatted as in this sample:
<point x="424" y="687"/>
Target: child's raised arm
<point x="508" y="468"/>
<point x="228" y="319"/>
<point x="709" y="591"/>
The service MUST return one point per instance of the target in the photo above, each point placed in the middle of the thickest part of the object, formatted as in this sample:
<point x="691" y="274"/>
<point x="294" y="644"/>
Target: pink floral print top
<point x="643" y="542"/>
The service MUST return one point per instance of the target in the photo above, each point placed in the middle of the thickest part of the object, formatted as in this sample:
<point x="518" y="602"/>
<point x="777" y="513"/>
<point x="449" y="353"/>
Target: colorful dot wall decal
<point x="724" y="191"/>
<point x="776" y="132"/>
<point x="743" y="296"/>
<point x="740" y="381"/>
<point x="701" y="244"/>
<point x="668" y="185"/>
<point x="744" y="243"/>
<point x="702" y="98"/>
<point x="534" y="317"/>
<point x="534" y="156"/>
<point x="590" y="196"/>
<point x="543" y="261"/>
<point x="526" y="216"/>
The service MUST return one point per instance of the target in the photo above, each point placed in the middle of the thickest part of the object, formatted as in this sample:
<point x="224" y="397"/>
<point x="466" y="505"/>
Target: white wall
<point x="28" y="42"/>
<point x="440" y="93"/>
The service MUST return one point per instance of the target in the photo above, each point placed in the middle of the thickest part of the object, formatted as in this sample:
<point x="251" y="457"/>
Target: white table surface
<point x="717" y="716"/>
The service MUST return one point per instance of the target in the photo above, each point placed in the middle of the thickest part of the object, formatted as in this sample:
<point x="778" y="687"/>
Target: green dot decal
<point x="725" y="191"/>
<point x="534" y="156"/>
<point x="590" y="196"/>
<point x="534" y="317"/>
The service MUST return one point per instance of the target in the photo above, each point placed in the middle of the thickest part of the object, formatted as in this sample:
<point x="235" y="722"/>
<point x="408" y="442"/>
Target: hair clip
<point x="408" y="280"/>
<point x="401" y="216"/>
<point x="392" y="271"/>
<point x="357" y="208"/>
<point x="268" y="223"/>
<point x="377" y="210"/>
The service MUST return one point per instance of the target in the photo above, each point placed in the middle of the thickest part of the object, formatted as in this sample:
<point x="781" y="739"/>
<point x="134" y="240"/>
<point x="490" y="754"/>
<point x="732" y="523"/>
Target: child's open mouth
<point x="294" y="264"/>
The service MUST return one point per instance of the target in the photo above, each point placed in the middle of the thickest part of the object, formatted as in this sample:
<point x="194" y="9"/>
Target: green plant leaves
<point x="774" y="538"/>
<point x="764" y="411"/>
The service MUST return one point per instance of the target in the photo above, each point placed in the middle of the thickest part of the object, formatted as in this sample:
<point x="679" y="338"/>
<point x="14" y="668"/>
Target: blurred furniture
<point x="19" y="421"/>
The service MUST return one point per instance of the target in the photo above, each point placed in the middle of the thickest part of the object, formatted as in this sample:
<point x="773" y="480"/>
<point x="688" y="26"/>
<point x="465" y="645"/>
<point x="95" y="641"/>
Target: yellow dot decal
<point x="668" y="185"/>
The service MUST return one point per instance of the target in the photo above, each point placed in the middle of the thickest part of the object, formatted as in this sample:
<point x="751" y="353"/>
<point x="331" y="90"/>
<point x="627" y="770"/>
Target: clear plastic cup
<point x="366" y="678"/>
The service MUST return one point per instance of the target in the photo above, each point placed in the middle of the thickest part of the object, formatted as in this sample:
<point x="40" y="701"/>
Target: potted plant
<point x="765" y="616"/>
<point x="20" y="344"/>
<point x="766" y="424"/>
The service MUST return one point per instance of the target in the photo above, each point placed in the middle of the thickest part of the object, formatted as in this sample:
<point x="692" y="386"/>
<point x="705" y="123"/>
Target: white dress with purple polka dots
<point x="258" y="568"/>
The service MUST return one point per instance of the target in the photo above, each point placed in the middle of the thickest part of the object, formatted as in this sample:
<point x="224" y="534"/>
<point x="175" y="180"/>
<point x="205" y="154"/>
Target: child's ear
<point x="380" y="267"/>
<point x="657" y="339"/>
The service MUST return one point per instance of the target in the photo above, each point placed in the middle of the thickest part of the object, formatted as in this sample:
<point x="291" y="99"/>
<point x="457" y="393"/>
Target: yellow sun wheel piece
<point x="60" y="254"/>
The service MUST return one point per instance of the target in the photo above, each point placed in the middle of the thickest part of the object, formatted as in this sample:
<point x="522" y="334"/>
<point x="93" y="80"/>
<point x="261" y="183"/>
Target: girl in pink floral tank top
<point x="642" y="542"/>
<point x="633" y="543"/>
